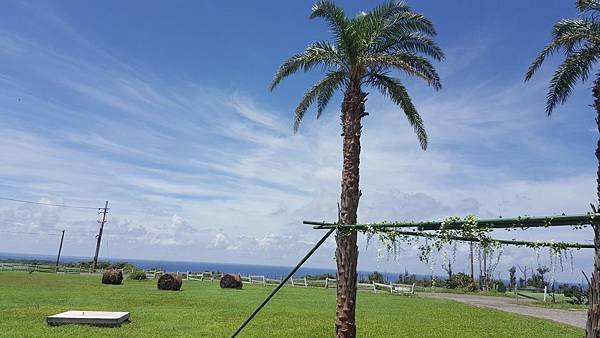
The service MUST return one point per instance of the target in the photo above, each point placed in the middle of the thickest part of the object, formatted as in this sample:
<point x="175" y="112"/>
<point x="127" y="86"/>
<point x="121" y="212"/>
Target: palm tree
<point x="579" y="41"/>
<point x="365" y="51"/>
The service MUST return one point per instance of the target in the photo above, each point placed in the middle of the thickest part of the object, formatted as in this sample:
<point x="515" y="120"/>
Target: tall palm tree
<point x="579" y="41"/>
<point x="365" y="52"/>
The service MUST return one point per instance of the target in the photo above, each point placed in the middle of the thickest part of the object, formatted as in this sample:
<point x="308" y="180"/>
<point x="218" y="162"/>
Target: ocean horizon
<point x="270" y="271"/>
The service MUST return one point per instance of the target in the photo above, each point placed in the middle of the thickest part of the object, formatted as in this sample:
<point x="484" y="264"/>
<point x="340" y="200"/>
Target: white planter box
<point x="89" y="317"/>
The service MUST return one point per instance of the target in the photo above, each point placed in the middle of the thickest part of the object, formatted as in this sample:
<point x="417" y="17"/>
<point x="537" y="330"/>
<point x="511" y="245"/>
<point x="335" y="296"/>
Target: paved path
<point x="570" y="317"/>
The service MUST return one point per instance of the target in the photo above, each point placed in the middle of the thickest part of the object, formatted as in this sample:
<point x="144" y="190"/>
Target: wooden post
<point x="305" y="283"/>
<point x="292" y="280"/>
<point x="545" y="292"/>
<point x="374" y="287"/>
<point x="391" y="288"/>
<point x="326" y="280"/>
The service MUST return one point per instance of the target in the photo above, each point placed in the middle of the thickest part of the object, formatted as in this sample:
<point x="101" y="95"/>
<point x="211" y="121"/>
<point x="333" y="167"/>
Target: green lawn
<point x="203" y="309"/>
<point x="560" y="301"/>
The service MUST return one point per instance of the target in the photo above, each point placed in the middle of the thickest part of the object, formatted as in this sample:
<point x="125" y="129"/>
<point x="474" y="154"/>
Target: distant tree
<point x="537" y="279"/>
<point x="448" y="268"/>
<point x="512" y="277"/>
<point x="524" y="279"/>
<point x="542" y="270"/>
<point x="376" y="277"/>
<point x="406" y="278"/>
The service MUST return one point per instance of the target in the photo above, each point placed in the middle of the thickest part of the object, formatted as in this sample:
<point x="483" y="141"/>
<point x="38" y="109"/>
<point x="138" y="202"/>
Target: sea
<point x="269" y="271"/>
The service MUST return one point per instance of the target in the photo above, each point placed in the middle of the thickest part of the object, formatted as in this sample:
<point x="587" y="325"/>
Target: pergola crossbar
<point x="501" y="241"/>
<point x="498" y="223"/>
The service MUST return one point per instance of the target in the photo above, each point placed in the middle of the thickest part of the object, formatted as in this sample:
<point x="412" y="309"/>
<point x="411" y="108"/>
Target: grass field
<point x="203" y="309"/>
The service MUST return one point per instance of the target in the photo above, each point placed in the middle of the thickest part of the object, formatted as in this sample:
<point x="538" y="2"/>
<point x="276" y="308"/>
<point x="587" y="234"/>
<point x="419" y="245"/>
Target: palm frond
<point x="336" y="79"/>
<point x="588" y="5"/>
<point x="539" y="60"/>
<point x="388" y="9"/>
<point x="415" y="43"/>
<point x="398" y="28"/>
<point x="324" y="88"/>
<point x="567" y="35"/>
<point x="339" y="25"/>
<point x="412" y="22"/>
<point x="318" y="53"/>
<point x="576" y="67"/>
<point x="373" y="24"/>
<point x="393" y="88"/>
<point x="409" y="63"/>
<point x="333" y="15"/>
<point x="570" y="33"/>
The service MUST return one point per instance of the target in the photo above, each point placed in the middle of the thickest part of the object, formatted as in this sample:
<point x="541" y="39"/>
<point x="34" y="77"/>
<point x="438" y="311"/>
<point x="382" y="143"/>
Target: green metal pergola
<point x="522" y="222"/>
<point x="497" y="223"/>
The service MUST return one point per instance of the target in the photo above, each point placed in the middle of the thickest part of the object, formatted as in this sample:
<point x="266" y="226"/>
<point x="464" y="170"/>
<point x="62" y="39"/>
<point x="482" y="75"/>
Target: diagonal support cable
<point x="283" y="282"/>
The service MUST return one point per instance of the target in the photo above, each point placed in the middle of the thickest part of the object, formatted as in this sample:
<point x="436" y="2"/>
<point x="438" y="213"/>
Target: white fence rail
<point x="304" y="282"/>
<point x="203" y="276"/>
<point x="389" y="288"/>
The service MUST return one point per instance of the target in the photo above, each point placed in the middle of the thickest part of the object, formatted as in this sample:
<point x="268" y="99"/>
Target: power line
<point x="30" y="233"/>
<point x="49" y="204"/>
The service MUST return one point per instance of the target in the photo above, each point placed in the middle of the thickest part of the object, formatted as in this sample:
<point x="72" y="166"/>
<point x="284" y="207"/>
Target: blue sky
<point x="164" y="110"/>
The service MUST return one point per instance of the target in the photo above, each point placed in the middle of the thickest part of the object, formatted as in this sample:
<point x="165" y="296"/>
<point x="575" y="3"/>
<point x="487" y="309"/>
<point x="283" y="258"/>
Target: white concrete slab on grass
<point x="89" y="317"/>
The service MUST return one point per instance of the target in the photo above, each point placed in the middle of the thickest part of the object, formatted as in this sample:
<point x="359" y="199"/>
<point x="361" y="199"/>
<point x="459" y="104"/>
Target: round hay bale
<point x="231" y="282"/>
<point x="112" y="276"/>
<point x="169" y="281"/>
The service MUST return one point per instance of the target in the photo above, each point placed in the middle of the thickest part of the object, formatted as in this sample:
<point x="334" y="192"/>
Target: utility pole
<point x="59" y="249"/>
<point x="103" y="212"/>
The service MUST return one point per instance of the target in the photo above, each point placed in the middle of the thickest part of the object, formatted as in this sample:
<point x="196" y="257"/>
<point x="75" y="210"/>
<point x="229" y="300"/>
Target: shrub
<point x="376" y="277"/>
<point x="137" y="274"/>
<point x="577" y="296"/>
<point x="462" y="281"/>
<point x="320" y="276"/>
<point x="499" y="286"/>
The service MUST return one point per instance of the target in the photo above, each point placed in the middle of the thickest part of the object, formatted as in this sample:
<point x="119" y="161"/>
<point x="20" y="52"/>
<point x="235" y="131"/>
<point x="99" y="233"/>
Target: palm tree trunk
<point x="593" y="320"/>
<point x="347" y="251"/>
